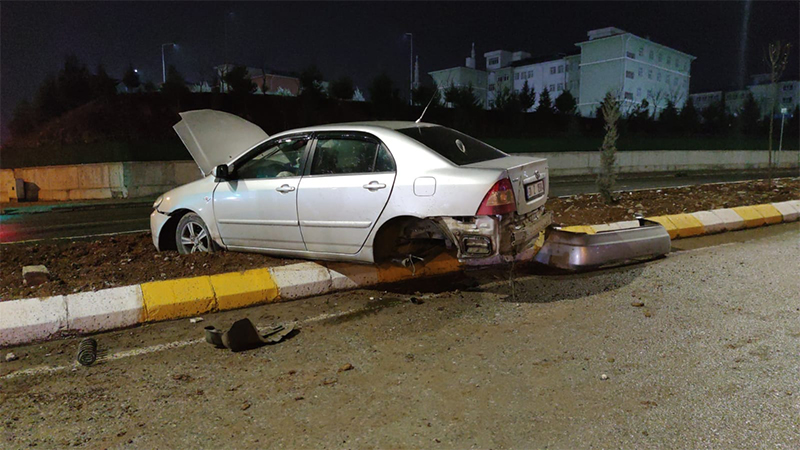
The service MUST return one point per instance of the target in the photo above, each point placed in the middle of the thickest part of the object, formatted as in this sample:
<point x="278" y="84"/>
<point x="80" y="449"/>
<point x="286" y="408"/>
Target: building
<point x="635" y="69"/>
<point x="788" y="96"/>
<point x="277" y="84"/>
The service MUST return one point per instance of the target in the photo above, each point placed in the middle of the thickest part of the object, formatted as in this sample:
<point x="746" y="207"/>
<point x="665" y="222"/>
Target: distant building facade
<point x="787" y="95"/>
<point x="633" y="68"/>
<point x="275" y="84"/>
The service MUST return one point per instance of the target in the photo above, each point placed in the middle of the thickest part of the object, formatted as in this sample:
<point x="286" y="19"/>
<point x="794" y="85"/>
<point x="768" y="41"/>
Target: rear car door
<point x="346" y="186"/>
<point x="257" y="207"/>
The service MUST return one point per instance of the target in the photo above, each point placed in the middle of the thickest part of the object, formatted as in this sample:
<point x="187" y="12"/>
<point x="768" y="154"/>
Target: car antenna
<point x="435" y="91"/>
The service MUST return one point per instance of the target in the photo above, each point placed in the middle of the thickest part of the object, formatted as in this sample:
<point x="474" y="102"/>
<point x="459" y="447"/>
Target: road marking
<point x="43" y="370"/>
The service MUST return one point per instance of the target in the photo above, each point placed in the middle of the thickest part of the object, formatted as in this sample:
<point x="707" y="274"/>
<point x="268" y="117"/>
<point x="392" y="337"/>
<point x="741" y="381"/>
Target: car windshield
<point x="457" y="147"/>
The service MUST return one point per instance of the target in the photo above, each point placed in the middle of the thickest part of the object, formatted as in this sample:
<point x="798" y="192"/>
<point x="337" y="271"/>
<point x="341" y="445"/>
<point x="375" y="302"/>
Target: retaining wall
<point x="148" y="179"/>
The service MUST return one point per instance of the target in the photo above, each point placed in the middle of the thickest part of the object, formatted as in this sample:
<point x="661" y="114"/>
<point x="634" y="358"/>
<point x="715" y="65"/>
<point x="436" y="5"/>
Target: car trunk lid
<point x="215" y="137"/>
<point x="528" y="177"/>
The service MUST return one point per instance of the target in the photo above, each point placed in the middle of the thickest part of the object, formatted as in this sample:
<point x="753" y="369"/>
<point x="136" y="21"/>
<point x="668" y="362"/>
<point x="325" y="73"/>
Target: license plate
<point x="533" y="190"/>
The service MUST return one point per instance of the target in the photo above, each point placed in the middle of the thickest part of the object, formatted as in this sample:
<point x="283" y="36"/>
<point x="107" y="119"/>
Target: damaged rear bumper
<point x="578" y="251"/>
<point x="484" y="240"/>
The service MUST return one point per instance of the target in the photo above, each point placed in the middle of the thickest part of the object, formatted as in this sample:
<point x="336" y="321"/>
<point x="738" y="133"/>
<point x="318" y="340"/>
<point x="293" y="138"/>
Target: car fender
<point x="197" y="197"/>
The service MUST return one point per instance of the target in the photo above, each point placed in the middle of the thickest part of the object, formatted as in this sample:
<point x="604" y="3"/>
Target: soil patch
<point x="88" y="265"/>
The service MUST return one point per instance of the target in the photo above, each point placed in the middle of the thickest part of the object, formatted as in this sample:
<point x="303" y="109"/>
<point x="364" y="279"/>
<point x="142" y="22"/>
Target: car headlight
<point x="158" y="201"/>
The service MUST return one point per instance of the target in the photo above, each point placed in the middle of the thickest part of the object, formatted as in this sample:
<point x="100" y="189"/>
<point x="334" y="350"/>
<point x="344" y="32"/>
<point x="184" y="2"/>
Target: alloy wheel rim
<point x="194" y="238"/>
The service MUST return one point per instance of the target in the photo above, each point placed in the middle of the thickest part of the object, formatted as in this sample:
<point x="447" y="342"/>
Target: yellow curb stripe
<point x="770" y="213"/>
<point x="588" y="229"/>
<point x="443" y="263"/>
<point x="172" y="299"/>
<point x="667" y="223"/>
<point x="687" y="225"/>
<point x="240" y="289"/>
<point x="752" y="218"/>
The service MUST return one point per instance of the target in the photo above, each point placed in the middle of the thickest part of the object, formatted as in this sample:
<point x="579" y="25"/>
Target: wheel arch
<point x="166" y="237"/>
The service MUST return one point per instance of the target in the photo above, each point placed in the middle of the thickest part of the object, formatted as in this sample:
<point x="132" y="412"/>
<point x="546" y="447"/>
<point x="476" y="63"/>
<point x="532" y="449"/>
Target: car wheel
<point x="192" y="235"/>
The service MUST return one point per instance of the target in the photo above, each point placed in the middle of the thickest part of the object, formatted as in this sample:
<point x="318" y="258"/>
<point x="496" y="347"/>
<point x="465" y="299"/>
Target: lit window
<point x="553" y="70"/>
<point x="629" y="74"/>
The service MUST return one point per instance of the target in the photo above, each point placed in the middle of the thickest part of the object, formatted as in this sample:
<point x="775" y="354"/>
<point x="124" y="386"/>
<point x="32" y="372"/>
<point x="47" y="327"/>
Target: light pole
<point x="780" y="141"/>
<point x="410" y="68"/>
<point x="163" y="66"/>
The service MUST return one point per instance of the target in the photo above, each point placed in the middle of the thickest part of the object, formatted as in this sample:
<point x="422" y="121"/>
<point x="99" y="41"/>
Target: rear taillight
<point x="499" y="199"/>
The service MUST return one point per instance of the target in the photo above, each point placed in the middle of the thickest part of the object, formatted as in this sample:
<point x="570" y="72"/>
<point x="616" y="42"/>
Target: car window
<point x="277" y="160"/>
<point x="341" y="155"/>
<point x="384" y="161"/>
<point x="455" y="146"/>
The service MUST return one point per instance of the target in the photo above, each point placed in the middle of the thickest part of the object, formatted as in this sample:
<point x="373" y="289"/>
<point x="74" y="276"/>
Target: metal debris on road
<point x="11" y="357"/>
<point x="195" y="320"/>
<point x="87" y="352"/>
<point x="243" y="335"/>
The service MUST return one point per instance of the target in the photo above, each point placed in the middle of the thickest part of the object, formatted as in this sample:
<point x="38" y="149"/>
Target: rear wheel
<point x="192" y="235"/>
<point x="402" y="239"/>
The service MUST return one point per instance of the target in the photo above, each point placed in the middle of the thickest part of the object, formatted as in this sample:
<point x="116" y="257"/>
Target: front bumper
<point x="157" y="221"/>
<point x="484" y="240"/>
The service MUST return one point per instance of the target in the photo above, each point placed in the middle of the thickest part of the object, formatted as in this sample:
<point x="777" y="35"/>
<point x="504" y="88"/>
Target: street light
<point x="410" y="69"/>
<point x="163" y="67"/>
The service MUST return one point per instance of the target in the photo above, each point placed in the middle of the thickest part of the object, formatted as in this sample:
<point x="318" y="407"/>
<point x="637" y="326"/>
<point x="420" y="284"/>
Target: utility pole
<point x="163" y="66"/>
<point x="410" y="68"/>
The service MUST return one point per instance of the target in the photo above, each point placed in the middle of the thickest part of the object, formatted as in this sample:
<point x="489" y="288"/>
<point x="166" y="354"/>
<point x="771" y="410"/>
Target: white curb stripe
<point x="788" y="210"/>
<point x="31" y="319"/>
<point x="105" y="309"/>
<point x="711" y="222"/>
<point x="301" y="280"/>
<point x="730" y="220"/>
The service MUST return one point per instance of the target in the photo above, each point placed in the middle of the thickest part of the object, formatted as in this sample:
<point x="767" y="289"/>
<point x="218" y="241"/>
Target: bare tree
<point x="656" y="98"/>
<point x="776" y="59"/>
<point x="608" y="152"/>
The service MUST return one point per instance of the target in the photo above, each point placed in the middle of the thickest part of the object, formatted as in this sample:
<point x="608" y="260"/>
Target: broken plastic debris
<point x="195" y="320"/>
<point x="243" y="335"/>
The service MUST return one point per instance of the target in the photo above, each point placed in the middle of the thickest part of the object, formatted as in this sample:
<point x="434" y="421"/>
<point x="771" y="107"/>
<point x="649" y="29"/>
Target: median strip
<point x="33" y="319"/>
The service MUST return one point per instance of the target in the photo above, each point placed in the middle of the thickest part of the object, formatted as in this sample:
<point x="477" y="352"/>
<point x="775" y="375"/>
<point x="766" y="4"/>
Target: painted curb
<point x="33" y="319"/>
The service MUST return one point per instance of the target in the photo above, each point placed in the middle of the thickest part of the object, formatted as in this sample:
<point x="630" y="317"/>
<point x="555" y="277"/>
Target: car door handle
<point x="285" y="188"/>
<point x="374" y="186"/>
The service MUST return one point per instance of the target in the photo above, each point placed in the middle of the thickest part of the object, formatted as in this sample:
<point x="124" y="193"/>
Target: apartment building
<point x="787" y="95"/>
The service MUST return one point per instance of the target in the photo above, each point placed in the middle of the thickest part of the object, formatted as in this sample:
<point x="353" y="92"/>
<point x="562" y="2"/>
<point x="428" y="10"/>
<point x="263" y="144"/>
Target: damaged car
<point x="362" y="192"/>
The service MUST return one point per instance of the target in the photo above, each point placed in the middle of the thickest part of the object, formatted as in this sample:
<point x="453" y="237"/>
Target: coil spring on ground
<point x="87" y="352"/>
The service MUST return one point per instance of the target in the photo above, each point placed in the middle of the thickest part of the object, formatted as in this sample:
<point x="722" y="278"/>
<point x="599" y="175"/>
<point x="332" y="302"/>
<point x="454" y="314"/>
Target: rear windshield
<point x="458" y="148"/>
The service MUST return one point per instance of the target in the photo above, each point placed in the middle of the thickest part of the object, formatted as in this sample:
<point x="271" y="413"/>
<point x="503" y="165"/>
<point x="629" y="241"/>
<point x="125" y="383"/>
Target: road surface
<point x="695" y="350"/>
<point x="124" y="218"/>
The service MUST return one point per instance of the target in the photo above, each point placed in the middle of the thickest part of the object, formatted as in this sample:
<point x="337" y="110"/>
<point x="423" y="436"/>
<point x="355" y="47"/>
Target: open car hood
<point x="215" y="137"/>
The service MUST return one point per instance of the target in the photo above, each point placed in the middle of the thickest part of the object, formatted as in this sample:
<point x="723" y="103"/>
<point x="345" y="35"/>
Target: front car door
<point x="257" y="207"/>
<point x="344" y="191"/>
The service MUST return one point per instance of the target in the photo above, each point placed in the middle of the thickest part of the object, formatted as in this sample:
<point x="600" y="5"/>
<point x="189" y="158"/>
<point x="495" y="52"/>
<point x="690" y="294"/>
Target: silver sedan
<point x="363" y="192"/>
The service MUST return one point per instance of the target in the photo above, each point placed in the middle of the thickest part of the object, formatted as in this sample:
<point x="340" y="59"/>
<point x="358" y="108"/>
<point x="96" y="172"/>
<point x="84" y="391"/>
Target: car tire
<point x="192" y="236"/>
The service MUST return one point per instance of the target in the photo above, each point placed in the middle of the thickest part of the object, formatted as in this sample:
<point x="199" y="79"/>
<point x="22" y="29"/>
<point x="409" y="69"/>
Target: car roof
<point x="375" y="125"/>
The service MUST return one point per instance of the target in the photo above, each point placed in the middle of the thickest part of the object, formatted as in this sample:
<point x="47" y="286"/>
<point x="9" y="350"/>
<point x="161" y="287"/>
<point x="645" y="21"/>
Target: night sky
<point x="363" y="39"/>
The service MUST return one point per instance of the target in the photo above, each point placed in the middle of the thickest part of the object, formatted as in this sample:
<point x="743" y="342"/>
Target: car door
<point x="257" y="207"/>
<point x="346" y="186"/>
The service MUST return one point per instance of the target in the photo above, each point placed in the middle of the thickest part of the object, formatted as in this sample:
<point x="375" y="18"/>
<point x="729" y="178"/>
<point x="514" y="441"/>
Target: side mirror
<point x="221" y="172"/>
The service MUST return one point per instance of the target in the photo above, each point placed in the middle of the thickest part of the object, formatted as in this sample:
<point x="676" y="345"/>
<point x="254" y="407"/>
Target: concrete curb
<point x="33" y="319"/>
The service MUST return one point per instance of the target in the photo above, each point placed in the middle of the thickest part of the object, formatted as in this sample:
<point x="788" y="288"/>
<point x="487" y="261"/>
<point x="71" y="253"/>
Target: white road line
<point x="40" y="370"/>
<point x="74" y="237"/>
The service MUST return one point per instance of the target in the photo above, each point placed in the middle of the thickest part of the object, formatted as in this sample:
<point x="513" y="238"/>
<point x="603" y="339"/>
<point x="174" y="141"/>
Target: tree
<point x="689" y="118"/>
<point x="545" y="108"/>
<point x="311" y="83"/>
<point x="47" y="102"/>
<point x="342" y="88"/>
<point x="462" y="97"/>
<point x="149" y="86"/>
<point x="131" y="78"/>
<point x="175" y="86"/>
<point x="382" y="92"/>
<point x="239" y="82"/>
<point x="527" y="97"/>
<point x="608" y="151"/>
<point x="74" y="82"/>
<point x="103" y="86"/>
<point x="422" y="94"/>
<point x="669" y="118"/>
<point x="24" y="121"/>
<point x="750" y="115"/>
<point x="566" y="104"/>
<point x="506" y="100"/>
<point x="777" y="58"/>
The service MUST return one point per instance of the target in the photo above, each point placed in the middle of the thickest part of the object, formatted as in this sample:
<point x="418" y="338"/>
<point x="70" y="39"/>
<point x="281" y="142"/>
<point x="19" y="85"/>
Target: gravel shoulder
<point x="88" y="265"/>
<point x="699" y="351"/>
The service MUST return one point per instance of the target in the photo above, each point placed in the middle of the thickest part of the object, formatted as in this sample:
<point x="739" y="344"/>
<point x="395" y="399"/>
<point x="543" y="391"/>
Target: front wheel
<point x="192" y="235"/>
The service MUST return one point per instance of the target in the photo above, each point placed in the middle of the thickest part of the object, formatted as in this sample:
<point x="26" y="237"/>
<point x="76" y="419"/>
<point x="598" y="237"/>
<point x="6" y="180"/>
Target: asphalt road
<point x="105" y="219"/>
<point x="695" y="350"/>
